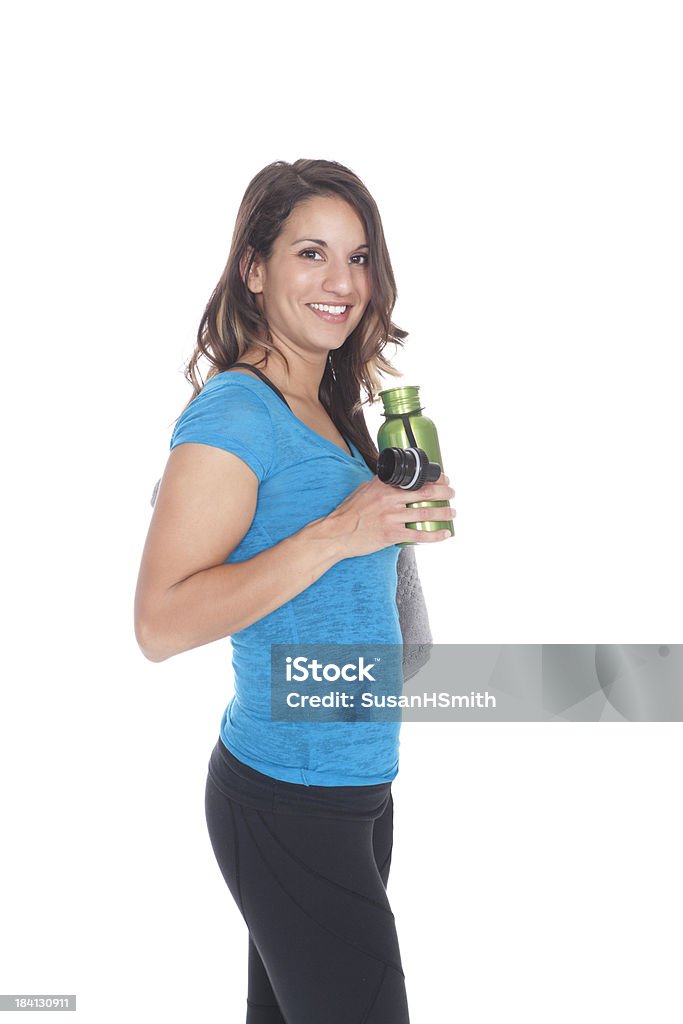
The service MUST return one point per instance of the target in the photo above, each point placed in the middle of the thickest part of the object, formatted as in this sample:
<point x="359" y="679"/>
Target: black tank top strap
<point x="261" y="374"/>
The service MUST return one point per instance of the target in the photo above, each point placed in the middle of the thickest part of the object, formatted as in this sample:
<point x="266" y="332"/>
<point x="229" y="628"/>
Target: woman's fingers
<point x="374" y="515"/>
<point x="433" y="491"/>
<point x="426" y="536"/>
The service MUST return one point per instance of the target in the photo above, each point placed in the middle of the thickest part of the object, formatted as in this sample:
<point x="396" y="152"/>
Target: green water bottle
<point x="411" y="450"/>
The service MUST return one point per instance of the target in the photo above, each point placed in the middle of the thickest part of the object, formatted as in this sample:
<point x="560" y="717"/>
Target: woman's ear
<point x="254" y="281"/>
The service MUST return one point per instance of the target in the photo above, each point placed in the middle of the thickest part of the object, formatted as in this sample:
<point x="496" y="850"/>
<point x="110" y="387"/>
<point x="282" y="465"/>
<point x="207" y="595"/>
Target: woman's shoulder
<point x="226" y="408"/>
<point x="235" y="389"/>
<point x="245" y="386"/>
<point x="231" y="379"/>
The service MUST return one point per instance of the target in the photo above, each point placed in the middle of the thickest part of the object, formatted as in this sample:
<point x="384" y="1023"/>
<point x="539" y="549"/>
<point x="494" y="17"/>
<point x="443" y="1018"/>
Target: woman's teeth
<point x="335" y="310"/>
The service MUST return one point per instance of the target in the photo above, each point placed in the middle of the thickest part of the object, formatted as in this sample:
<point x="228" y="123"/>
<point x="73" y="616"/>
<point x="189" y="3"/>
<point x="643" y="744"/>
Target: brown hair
<point x="232" y="324"/>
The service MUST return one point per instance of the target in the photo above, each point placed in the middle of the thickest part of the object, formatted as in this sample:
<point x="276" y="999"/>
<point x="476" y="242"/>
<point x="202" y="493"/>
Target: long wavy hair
<point x="233" y="325"/>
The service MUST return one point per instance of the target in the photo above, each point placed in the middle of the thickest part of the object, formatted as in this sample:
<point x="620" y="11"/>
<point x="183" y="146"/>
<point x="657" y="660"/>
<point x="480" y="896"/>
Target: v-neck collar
<point x="351" y="454"/>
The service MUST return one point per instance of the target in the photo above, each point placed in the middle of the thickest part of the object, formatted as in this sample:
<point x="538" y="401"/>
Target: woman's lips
<point x="332" y="318"/>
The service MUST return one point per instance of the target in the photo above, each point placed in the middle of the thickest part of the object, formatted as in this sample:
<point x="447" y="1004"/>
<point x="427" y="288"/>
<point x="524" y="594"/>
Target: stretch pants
<point x="308" y="868"/>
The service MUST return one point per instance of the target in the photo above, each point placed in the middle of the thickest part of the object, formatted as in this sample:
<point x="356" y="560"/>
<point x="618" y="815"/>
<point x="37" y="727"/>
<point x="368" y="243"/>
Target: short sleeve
<point x="227" y="414"/>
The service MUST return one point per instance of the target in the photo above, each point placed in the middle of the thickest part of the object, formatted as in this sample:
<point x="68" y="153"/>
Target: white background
<point x="526" y="160"/>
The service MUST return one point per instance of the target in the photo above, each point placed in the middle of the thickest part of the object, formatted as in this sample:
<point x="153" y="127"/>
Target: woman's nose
<point x="338" y="277"/>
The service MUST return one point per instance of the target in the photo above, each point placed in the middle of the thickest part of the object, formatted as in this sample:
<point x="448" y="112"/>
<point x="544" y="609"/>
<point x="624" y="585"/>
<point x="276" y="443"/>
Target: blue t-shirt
<point x="302" y="476"/>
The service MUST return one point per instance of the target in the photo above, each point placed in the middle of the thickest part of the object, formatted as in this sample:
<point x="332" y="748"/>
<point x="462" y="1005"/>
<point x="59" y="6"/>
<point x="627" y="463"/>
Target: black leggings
<point x="308" y="867"/>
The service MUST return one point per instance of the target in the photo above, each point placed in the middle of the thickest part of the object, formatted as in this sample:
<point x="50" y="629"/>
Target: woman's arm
<point x="187" y="595"/>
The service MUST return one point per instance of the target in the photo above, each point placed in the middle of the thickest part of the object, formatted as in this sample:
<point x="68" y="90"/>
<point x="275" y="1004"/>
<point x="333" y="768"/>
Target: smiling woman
<point x="331" y="281"/>
<point x="271" y="527"/>
<point x="235" y="320"/>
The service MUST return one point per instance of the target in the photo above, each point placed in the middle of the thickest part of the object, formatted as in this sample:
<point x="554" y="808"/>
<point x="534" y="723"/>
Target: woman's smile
<point x="322" y="251"/>
<point x="332" y="314"/>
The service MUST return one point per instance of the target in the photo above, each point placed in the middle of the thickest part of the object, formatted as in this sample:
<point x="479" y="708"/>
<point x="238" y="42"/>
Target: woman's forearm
<point x="226" y="598"/>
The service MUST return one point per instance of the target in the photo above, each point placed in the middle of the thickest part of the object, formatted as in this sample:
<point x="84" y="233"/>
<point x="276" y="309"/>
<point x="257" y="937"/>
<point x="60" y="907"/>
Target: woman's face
<point x="319" y="259"/>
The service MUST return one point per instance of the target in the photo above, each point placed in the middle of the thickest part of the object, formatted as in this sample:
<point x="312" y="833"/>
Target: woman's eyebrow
<point x="319" y="241"/>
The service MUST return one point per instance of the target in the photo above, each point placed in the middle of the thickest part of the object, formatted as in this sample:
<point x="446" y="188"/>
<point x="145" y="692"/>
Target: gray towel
<point x="412" y="610"/>
<point x="412" y="614"/>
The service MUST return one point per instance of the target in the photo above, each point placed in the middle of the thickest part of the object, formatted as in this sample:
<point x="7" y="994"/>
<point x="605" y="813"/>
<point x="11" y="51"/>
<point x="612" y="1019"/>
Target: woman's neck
<point x="301" y="381"/>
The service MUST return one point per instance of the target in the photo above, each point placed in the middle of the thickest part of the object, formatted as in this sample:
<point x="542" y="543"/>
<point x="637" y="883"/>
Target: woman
<point x="271" y="527"/>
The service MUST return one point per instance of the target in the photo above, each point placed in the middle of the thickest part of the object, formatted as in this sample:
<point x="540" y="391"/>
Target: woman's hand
<point x="374" y="516"/>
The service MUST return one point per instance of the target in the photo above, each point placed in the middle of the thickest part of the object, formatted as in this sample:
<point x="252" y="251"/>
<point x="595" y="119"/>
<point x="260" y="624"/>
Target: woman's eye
<point x="358" y="257"/>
